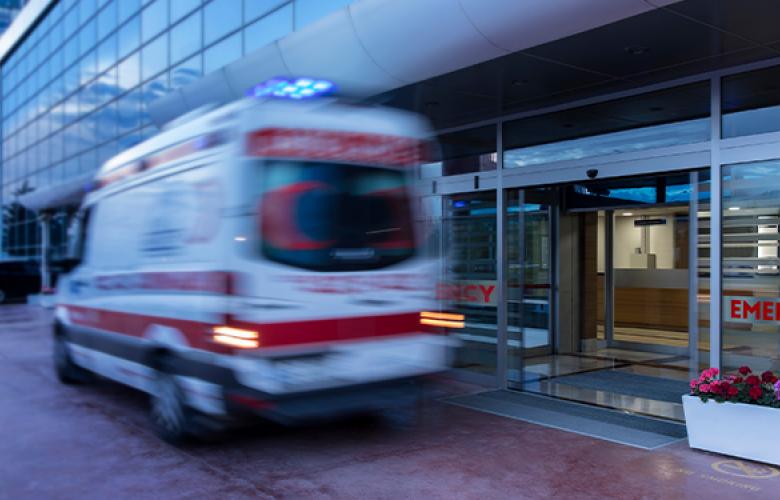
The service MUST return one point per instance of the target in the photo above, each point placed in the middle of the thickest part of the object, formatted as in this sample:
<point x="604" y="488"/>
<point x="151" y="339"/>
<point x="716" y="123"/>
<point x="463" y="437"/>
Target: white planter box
<point x="740" y="430"/>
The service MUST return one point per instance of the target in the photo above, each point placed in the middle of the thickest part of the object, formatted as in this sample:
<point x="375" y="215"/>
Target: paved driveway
<point x="93" y="442"/>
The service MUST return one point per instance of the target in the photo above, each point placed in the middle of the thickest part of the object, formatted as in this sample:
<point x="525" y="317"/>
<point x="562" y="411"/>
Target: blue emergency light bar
<point x="292" y="88"/>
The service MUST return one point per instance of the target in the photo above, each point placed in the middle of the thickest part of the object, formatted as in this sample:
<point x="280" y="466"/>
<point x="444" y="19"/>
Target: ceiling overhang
<point x="373" y="46"/>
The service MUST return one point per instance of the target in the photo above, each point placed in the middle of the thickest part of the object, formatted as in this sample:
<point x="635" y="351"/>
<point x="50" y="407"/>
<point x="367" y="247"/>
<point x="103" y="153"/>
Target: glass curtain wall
<point x="77" y="89"/>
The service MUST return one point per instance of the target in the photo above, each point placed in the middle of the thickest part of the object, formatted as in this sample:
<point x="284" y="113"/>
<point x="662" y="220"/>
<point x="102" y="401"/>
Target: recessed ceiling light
<point x="733" y="209"/>
<point x="627" y="214"/>
<point x="636" y="50"/>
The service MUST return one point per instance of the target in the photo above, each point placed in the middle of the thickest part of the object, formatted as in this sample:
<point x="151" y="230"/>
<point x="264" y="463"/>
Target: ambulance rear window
<point x="334" y="217"/>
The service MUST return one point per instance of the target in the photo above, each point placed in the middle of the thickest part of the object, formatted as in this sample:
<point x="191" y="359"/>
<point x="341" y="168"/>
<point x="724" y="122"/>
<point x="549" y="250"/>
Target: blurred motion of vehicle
<point x="257" y="259"/>
<point x="18" y="279"/>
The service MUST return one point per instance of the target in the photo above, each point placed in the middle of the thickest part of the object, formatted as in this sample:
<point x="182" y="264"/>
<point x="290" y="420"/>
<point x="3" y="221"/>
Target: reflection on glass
<point x="751" y="266"/>
<point x="256" y="8"/>
<point x="154" y="57"/>
<point x="127" y="8"/>
<point x="670" y="134"/>
<point x="222" y="53"/>
<point x="308" y="11"/>
<point x="186" y="38"/>
<point x="268" y="29"/>
<point x="220" y="18"/>
<point x="129" y="72"/>
<point x="129" y="36"/>
<point x="180" y="8"/>
<point x="107" y="20"/>
<point x="187" y="72"/>
<point x="465" y="151"/>
<point x="750" y="103"/>
<point x="658" y="119"/>
<point x="470" y="276"/>
<point x="529" y="275"/>
<point x="154" y="19"/>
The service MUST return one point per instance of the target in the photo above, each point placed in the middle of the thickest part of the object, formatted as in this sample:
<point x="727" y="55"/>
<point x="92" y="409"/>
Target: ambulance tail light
<point x="442" y="319"/>
<point x="236" y="337"/>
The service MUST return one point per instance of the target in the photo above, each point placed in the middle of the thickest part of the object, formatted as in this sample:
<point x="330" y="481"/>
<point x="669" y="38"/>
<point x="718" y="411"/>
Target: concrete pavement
<point x="93" y="442"/>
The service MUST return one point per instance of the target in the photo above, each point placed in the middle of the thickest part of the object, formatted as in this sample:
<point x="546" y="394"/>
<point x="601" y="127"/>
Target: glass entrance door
<point x="622" y="298"/>
<point x="529" y="277"/>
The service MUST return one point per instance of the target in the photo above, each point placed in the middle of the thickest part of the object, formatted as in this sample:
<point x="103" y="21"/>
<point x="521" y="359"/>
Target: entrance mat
<point x="630" y="384"/>
<point x="601" y="423"/>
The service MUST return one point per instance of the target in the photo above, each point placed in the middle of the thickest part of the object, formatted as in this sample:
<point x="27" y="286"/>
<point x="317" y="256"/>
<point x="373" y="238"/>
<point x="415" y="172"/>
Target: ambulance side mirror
<point x="76" y="242"/>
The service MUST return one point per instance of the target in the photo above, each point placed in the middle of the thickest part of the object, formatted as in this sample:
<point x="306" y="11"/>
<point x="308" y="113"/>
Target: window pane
<point x="107" y="20"/>
<point x="222" y="17"/>
<point x="127" y="8"/>
<point x="222" y="53"/>
<point x="462" y="152"/>
<point x="186" y="37"/>
<point x="130" y="72"/>
<point x="308" y="11"/>
<point x="751" y="266"/>
<point x="659" y="119"/>
<point x="154" y="57"/>
<point x="187" y="72"/>
<point x="751" y="103"/>
<point x="86" y="9"/>
<point x="154" y="19"/>
<point x="268" y="29"/>
<point x="154" y="89"/>
<point x="256" y="8"/>
<point x="89" y="67"/>
<point x="129" y="112"/>
<point x="180" y="8"/>
<point x="107" y="53"/>
<point x="130" y="36"/>
<point x="88" y="37"/>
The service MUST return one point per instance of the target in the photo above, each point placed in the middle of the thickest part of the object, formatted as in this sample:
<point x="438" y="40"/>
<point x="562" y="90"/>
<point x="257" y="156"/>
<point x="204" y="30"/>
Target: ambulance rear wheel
<point x="172" y="419"/>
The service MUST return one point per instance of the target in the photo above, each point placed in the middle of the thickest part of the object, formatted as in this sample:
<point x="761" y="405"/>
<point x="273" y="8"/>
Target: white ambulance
<point x="257" y="259"/>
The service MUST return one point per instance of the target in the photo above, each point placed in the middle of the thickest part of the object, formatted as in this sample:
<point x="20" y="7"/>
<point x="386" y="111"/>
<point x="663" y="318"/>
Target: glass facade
<point x="751" y="265"/>
<point x="77" y="89"/>
<point x="606" y="285"/>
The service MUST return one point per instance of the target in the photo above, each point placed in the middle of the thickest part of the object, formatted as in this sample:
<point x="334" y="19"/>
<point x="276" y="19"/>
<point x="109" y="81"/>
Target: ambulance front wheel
<point x="67" y="371"/>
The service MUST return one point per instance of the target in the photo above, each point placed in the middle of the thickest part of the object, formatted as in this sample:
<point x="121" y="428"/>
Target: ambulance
<point x="259" y="259"/>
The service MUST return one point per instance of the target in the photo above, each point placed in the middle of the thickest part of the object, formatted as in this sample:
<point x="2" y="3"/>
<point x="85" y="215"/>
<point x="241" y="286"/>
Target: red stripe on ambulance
<point x="281" y="334"/>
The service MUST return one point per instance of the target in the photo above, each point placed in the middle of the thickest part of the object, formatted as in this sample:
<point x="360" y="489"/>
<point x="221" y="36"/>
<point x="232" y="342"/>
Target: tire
<point x="67" y="371"/>
<point x="172" y="419"/>
<point x="402" y="417"/>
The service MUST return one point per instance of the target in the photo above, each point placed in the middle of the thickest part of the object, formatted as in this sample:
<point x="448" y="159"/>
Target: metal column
<point x="501" y="268"/>
<point x="693" y="275"/>
<point x="609" y="276"/>
<point x="716" y="221"/>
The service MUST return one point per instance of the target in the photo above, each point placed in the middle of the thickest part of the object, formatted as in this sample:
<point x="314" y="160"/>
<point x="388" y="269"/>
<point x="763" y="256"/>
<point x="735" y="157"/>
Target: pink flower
<point x="704" y="388"/>
<point x="694" y="383"/>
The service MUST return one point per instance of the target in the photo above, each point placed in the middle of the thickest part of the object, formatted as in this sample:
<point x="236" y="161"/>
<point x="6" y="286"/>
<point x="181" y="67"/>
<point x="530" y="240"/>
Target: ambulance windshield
<point x="334" y="217"/>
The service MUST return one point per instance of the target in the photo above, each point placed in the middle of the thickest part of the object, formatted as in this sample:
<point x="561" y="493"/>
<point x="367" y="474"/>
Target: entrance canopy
<point x="374" y="46"/>
<point x="65" y="194"/>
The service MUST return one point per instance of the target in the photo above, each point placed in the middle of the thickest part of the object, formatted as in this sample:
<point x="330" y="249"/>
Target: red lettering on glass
<point x="486" y="292"/>
<point x="749" y="309"/>
<point x="735" y="312"/>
